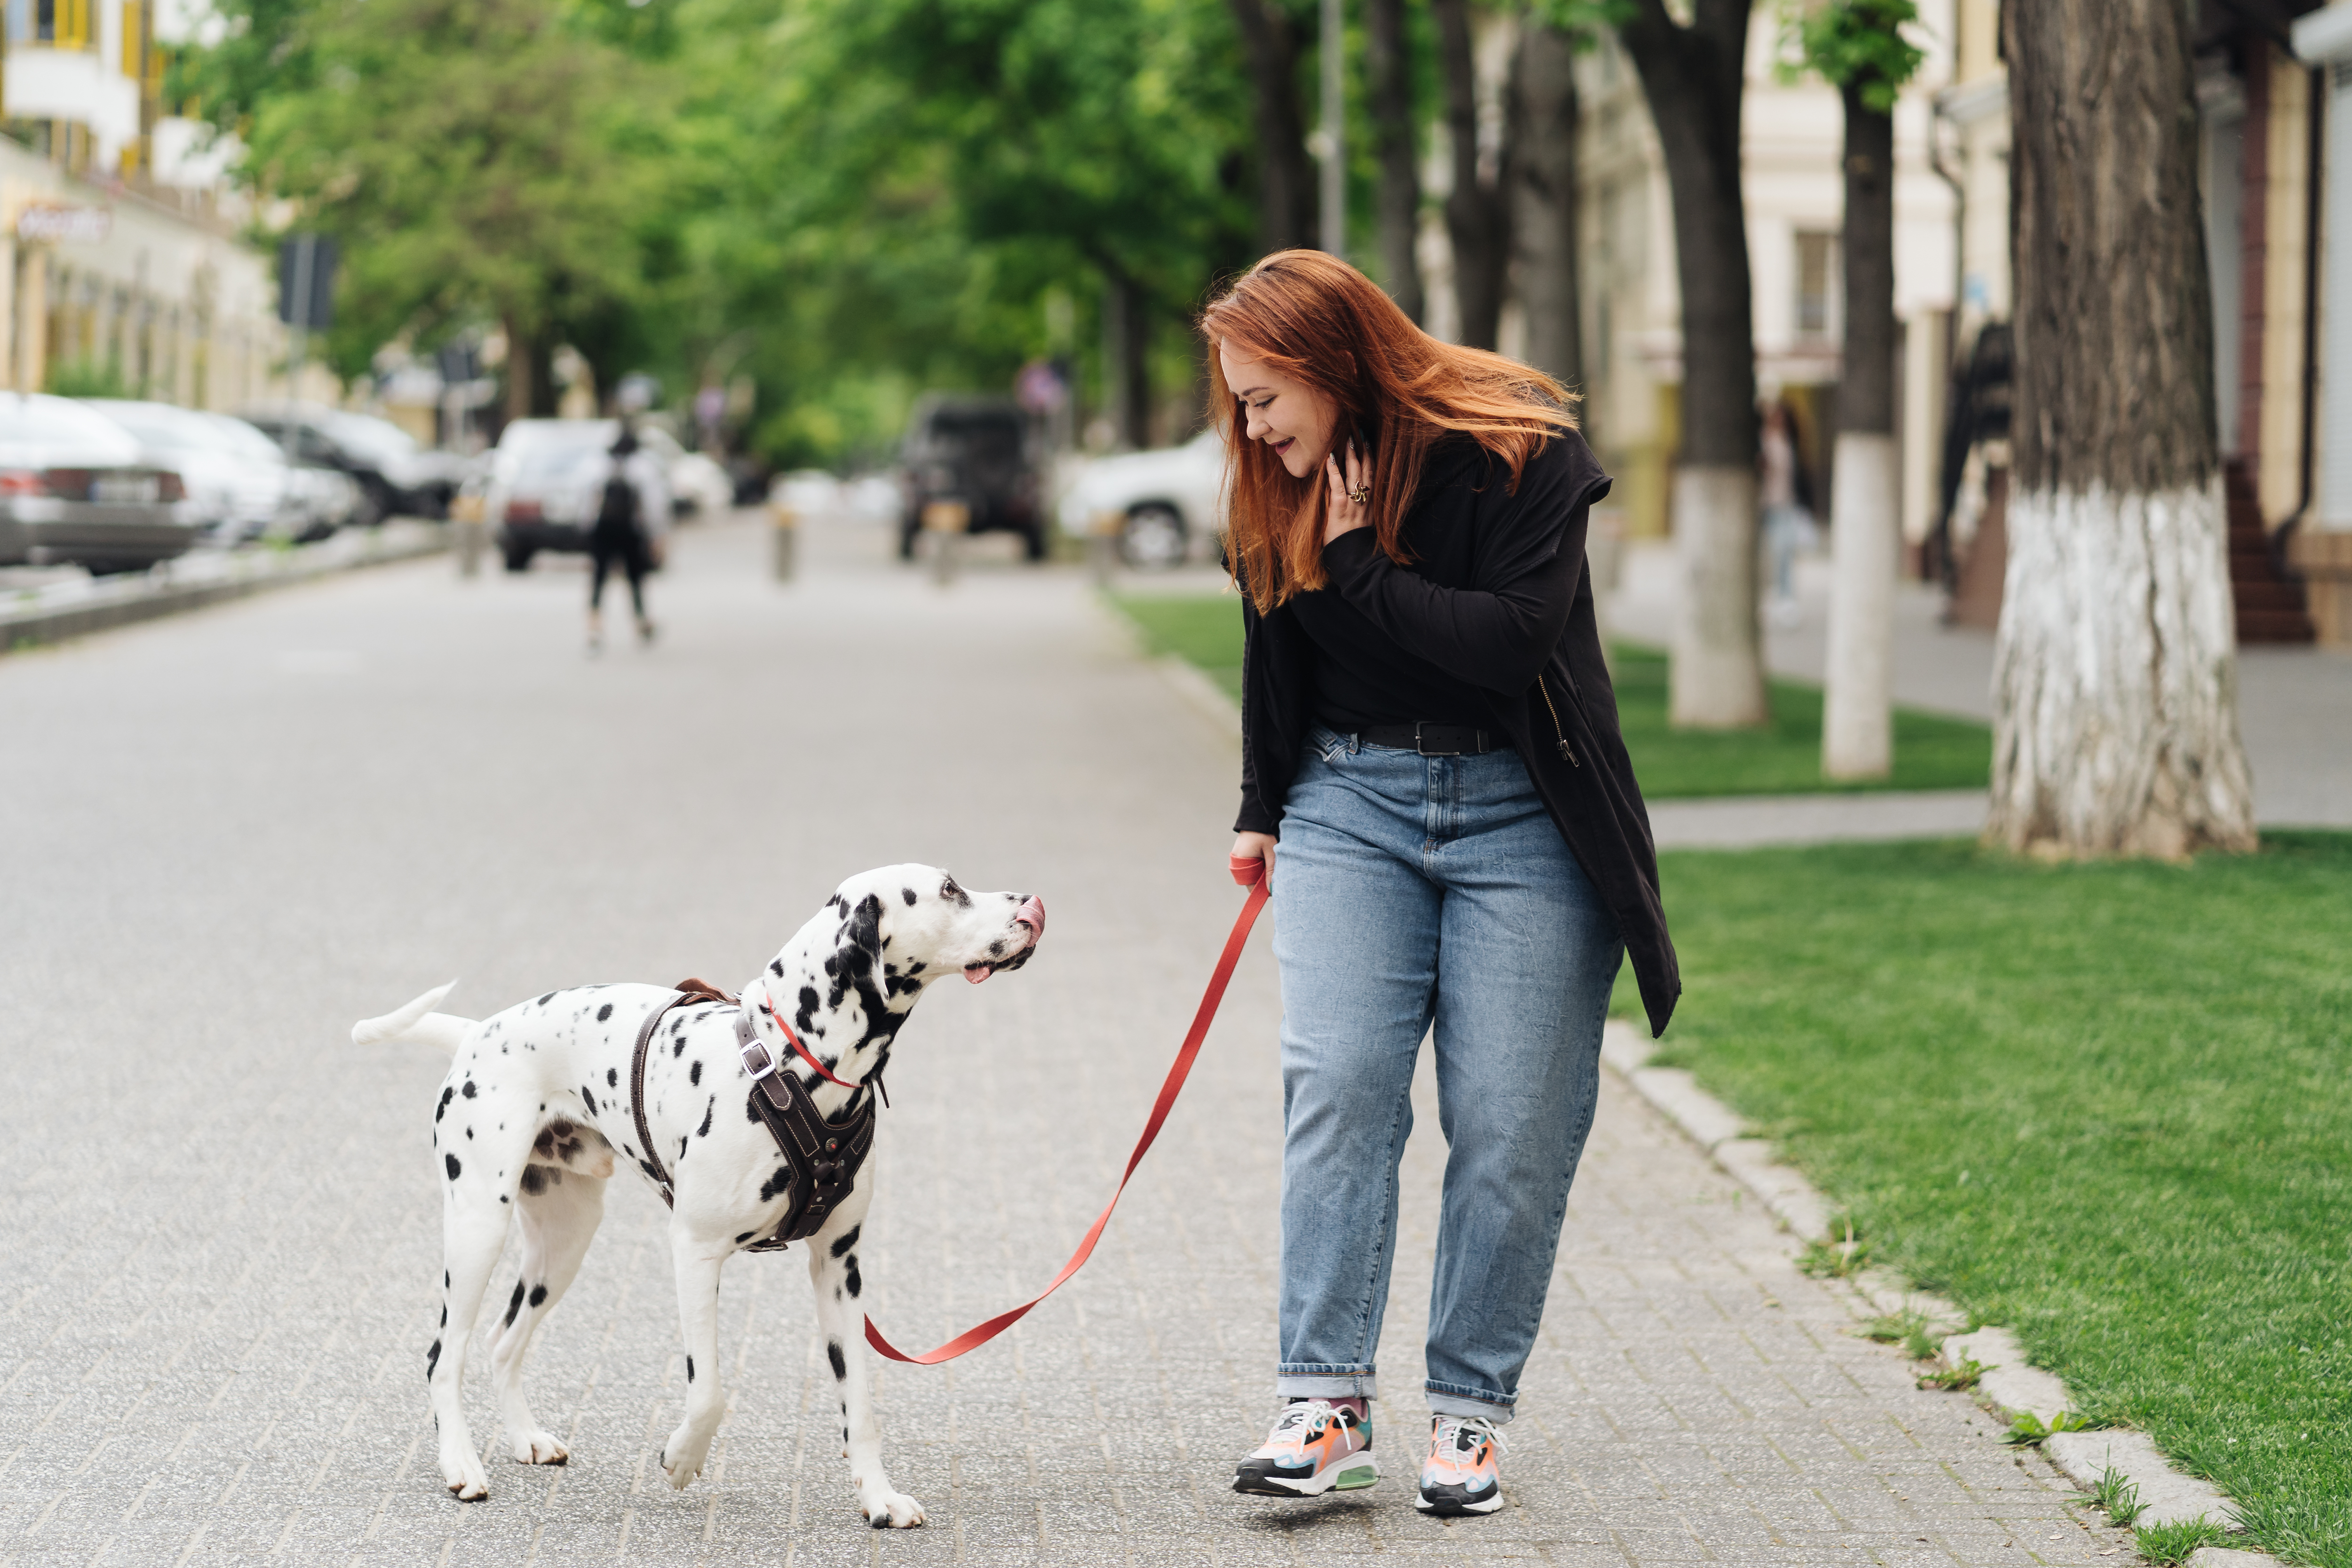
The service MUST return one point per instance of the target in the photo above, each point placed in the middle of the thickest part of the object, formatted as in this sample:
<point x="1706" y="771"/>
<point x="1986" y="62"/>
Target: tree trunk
<point x="1857" y="733"/>
<point x="1478" y="211"/>
<point x="1692" y="77"/>
<point x="2115" y="671"/>
<point x="1271" y="38"/>
<point x="1543" y="195"/>
<point x="1390" y="68"/>
<point x="530" y="373"/>
<point x="1127" y="368"/>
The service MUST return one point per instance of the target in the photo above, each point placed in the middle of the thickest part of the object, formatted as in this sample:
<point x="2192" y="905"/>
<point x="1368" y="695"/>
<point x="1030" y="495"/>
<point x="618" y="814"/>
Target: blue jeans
<point x="1413" y="890"/>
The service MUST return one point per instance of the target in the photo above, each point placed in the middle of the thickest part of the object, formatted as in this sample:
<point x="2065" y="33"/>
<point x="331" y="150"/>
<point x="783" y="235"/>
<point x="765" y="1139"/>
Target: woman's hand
<point x="1342" y="513"/>
<point x="1256" y="846"/>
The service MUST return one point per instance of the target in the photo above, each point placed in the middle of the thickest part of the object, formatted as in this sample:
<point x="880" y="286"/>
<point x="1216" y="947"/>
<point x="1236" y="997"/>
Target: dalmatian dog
<point x="536" y="1113"/>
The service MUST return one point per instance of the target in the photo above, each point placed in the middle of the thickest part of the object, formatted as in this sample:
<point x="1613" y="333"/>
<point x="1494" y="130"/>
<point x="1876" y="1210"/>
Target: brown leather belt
<point x="824" y="1156"/>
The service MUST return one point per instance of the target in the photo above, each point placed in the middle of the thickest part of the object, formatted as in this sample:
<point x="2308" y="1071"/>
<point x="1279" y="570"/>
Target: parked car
<point x="1161" y="501"/>
<point x="75" y="487"/>
<point x="240" y="487"/>
<point x="396" y="474"/>
<point x="546" y="478"/>
<point x="699" y="485"/>
<point x="810" y="492"/>
<point x="982" y="452"/>
<point x="331" y="498"/>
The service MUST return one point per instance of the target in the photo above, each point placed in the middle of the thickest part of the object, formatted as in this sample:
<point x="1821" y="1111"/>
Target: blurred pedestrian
<point x="632" y="523"/>
<point x="1430" y="741"/>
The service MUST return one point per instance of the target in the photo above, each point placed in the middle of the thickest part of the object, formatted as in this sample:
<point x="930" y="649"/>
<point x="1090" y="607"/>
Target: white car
<point x="808" y="492"/>
<point x="1157" y="503"/>
<point x="240" y="486"/>
<point x="546" y="479"/>
<point x="697" y="483"/>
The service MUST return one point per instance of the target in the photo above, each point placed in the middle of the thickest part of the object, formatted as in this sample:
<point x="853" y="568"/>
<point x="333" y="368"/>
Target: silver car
<point x="74" y="489"/>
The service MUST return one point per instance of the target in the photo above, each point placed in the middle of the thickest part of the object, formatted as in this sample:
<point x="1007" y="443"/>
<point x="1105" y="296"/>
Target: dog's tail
<point x="417" y="1021"/>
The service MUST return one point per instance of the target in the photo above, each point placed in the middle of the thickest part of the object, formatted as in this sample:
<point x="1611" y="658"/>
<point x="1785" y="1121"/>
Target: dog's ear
<point x="861" y="936"/>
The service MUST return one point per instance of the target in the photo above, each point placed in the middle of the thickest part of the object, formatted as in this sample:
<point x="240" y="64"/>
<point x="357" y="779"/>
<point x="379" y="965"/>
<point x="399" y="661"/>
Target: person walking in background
<point x="1430" y="742"/>
<point x="632" y="522"/>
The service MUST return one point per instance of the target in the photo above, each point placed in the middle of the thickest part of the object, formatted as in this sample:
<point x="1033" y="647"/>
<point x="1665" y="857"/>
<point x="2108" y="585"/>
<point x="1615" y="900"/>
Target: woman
<point x="631" y="515"/>
<point x="1430" y="753"/>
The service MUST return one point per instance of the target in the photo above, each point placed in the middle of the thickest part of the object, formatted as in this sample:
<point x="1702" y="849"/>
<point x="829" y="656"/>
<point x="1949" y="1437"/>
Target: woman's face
<point x="1288" y="415"/>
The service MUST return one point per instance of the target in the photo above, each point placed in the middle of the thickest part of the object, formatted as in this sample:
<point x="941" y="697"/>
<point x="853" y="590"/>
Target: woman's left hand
<point x="1342" y="513"/>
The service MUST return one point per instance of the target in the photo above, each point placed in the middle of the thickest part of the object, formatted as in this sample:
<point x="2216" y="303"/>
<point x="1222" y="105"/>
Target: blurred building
<point x="120" y="265"/>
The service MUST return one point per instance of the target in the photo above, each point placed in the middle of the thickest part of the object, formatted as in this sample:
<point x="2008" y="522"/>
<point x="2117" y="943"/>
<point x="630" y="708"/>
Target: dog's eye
<point x="953" y="894"/>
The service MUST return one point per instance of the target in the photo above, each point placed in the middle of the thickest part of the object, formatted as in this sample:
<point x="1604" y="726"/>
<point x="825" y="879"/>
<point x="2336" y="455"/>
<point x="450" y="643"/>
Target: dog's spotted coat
<point x="535" y="1114"/>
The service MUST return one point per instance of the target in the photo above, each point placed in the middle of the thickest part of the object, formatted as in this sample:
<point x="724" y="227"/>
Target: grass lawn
<point x="1930" y="752"/>
<point x="2106" y="1104"/>
<point x="1204" y="629"/>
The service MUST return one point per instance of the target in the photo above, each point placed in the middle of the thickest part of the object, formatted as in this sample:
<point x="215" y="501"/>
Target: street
<point x="232" y="833"/>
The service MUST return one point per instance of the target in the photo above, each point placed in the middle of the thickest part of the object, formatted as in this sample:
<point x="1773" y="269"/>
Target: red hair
<point x="1396" y="389"/>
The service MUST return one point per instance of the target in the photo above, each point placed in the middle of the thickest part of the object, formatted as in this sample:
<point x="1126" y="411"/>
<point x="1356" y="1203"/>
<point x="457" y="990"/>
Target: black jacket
<point x="1537" y="664"/>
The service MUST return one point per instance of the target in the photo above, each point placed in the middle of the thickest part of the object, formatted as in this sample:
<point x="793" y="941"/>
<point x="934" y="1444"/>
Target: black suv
<point x="982" y="452"/>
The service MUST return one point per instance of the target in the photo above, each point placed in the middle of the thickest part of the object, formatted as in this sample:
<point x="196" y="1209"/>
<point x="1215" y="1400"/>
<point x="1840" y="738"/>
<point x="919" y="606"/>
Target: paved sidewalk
<point x="1748" y="821"/>
<point x="232" y="834"/>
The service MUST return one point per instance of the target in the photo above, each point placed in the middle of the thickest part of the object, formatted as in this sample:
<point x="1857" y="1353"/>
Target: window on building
<point x="65" y="22"/>
<point x="1816" y="266"/>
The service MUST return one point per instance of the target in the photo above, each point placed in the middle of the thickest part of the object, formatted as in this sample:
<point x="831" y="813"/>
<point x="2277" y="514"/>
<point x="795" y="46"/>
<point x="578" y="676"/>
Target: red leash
<point x="1250" y="874"/>
<point x="816" y="1067"/>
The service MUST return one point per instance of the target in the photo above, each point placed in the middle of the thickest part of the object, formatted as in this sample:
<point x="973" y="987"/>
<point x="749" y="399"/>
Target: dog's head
<point x="880" y="941"/>
<point x="899" y="928"/>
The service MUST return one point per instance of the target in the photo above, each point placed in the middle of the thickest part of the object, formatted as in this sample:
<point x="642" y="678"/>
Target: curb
<point x="128" y="601"/>
<point x="2010" y="1385"/>
<point x="1201" y="694"/>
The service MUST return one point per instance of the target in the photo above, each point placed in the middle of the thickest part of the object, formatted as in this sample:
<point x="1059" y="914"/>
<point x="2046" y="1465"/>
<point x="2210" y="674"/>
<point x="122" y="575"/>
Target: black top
<point x="1388" y="651"/>
<point x="1496" y="611"/>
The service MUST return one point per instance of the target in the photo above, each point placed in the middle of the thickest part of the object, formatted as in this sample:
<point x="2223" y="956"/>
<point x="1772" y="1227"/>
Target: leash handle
<point x="1250" y="874"/>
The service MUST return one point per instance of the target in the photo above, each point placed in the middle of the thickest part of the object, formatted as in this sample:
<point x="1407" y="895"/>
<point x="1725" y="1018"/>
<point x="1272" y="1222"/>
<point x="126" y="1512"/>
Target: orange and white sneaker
<point x="1314" y="1448"/>
<point x="1462" y="1475"/>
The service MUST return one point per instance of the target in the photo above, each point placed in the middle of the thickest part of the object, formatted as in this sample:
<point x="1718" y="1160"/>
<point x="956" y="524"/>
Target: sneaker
<point x="1314" y="1448"/>
<point x="1460" y="1475"/>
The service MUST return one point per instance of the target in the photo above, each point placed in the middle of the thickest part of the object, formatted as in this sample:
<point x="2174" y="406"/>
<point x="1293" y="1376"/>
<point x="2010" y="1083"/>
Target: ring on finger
<point x="1361" y="495"/>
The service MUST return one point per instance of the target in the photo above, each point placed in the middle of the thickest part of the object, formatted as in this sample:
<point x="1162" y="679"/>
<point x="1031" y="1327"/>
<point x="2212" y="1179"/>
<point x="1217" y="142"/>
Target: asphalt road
<point x="230" y="835"/>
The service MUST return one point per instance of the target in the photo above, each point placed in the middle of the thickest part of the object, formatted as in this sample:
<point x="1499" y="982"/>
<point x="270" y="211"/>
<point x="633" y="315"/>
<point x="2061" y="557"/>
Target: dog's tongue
<point x="976" y="972"/>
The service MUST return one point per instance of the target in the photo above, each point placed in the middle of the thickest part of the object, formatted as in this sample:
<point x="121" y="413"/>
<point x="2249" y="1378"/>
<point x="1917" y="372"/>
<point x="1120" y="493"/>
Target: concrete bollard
<point x="945" y="522"/>
<point x="1103" y="529"/>
<point x="473" y="534"/>
<point x="783" y="536"/>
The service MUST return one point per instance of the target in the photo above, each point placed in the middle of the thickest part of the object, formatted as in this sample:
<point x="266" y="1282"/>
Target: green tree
<point x="914" y="178"/>
<point x="490" y="159"/>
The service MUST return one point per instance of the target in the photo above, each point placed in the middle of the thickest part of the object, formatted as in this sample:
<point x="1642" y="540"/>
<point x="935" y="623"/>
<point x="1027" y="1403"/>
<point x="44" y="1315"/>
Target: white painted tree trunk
<point x="1857" y="714"/>
<point x="1716" y="678"/>
<point x="2115" y="678"/>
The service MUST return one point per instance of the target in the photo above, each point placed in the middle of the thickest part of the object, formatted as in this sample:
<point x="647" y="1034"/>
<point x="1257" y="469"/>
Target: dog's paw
<point x="890" y="1510"/>
<point x="682" y="1458"/>
<point x="462" y="1472"/>
<point x="540" y="1448"/>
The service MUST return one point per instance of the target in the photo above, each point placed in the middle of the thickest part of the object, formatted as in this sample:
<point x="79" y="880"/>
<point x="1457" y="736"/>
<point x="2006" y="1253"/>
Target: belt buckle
<point x="1423" y="746"/>
<point x="767" y="1066"/>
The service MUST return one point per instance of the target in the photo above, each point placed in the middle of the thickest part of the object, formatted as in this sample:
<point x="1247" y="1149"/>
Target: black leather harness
<point x="824" y="1156"/>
